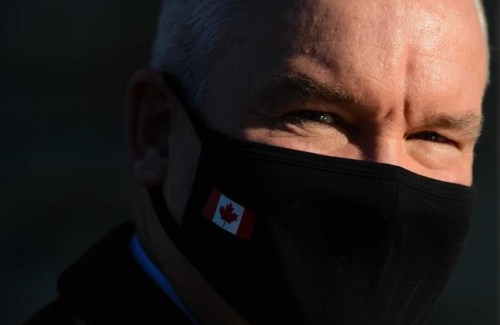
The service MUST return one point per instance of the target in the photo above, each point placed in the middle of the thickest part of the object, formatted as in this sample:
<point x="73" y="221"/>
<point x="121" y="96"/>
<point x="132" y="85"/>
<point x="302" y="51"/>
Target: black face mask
<point x="292" y="237"/>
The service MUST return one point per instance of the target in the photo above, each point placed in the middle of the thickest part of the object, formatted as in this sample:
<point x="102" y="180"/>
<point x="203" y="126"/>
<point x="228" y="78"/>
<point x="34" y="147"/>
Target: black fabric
<point x="107" y="286"/>
<point x="54" y="313"/>
<point x="337" y="241"/>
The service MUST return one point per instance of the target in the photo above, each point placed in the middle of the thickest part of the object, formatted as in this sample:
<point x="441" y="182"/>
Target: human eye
<point x="431" y="136"/>
<point x="307" y="116"/>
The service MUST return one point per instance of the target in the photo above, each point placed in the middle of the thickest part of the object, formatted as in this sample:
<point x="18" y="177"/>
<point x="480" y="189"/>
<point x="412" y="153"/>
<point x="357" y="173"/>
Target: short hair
<point x="482" y="18"/>
<point x="188" y="35"/>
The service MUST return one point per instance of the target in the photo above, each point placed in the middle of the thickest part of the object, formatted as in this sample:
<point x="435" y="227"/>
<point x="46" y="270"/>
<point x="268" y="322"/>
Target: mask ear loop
<point x="167" y="220"/>
<point x="192" y="112"/>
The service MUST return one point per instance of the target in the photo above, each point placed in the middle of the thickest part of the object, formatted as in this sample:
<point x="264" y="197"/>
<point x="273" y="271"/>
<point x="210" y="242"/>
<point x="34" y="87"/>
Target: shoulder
<point x="54" y="313"/>
<point x="107" y="286"/>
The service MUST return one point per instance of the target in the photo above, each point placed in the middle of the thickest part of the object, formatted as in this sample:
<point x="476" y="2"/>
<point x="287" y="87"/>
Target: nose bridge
<point x="383" y="146"/>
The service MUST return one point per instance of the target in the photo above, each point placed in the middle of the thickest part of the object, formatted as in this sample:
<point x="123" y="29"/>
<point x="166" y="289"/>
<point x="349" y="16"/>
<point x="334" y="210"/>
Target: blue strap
<point x="150" y="268"/>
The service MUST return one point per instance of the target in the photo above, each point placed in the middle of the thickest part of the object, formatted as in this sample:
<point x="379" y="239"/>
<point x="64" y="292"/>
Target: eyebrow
<point x="469" y="125"/>
<point x="286" y="88"/>
<point x="289" y="87"/>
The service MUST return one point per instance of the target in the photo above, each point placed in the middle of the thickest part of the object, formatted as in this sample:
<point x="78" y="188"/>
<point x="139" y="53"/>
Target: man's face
<point x="398" y="82"/>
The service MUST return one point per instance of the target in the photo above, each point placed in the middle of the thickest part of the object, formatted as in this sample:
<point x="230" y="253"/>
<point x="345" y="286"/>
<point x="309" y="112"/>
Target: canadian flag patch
<point x="229" y="215"/>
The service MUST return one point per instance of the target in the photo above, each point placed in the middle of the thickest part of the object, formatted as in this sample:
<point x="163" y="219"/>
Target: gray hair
<point x="482" y="17"/>
<point x="188" y="35"/>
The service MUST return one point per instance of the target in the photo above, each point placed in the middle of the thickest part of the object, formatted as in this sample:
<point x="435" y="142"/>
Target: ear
<point x="149" y="106"/>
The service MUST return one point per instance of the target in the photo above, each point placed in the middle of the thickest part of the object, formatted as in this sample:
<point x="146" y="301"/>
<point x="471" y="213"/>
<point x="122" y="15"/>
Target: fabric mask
<point x="292" y="237"/>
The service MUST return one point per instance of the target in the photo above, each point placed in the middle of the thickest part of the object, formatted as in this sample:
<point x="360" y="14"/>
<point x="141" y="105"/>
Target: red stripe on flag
<point x="247" y="223"/>
<point x="209" y="210"/>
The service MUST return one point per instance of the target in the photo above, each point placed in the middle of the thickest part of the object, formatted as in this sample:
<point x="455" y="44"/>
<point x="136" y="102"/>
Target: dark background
<point x="65" y="178"/>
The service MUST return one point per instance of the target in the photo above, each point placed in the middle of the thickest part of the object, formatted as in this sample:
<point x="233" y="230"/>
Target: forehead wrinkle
<point x="311" y="45"/>
<point x="435" y="56"/>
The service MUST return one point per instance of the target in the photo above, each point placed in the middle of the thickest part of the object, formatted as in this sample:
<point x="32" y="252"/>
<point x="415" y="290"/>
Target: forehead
<point x="372" y="48"/>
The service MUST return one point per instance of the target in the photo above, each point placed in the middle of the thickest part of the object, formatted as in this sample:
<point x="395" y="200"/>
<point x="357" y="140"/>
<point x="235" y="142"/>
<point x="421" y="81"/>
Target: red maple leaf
<point x="227" y="214"/>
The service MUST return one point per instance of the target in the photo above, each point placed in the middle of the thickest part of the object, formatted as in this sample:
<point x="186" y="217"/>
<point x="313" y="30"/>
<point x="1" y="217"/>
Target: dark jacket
<point x="107" y="286"/>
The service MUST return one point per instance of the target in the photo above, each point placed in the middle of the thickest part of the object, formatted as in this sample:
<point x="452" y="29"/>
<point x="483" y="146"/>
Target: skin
<point x="394" y="82"/>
